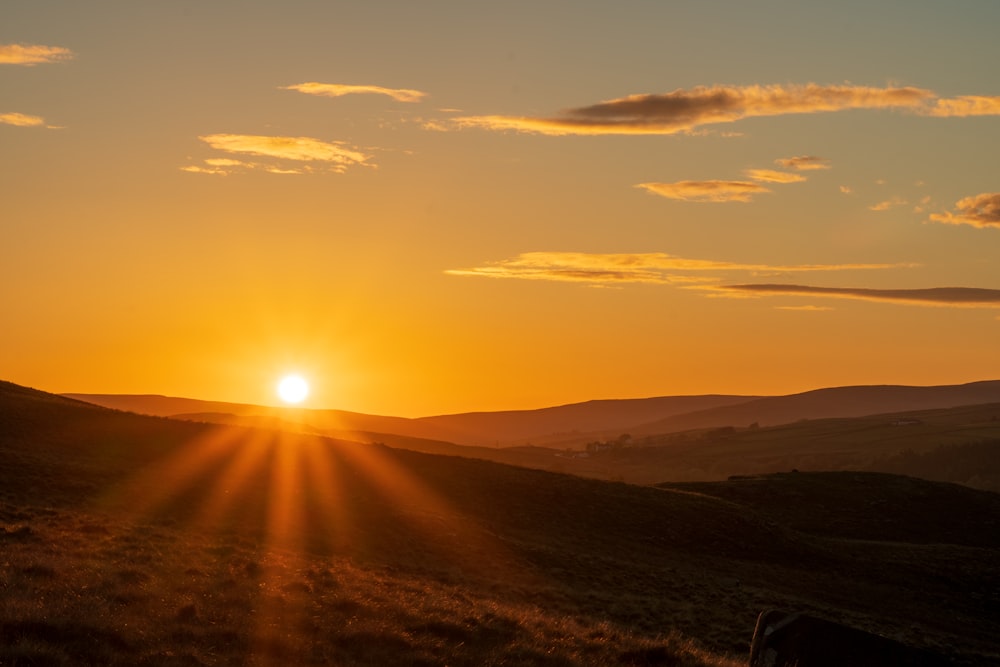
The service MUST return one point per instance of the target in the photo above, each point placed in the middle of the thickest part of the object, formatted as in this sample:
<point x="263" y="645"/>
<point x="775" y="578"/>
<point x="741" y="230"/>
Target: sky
<point x="449" y="206"/>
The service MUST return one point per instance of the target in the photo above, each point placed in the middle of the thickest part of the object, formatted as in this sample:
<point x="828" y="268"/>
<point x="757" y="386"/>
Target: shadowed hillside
<point x="572" y="426"/>
<point x="566" y="421"/>
<point x="138" y="540"/>
<point x="957" y="444"/>
<point x="828" y="403"/>
<point x="866" y="506"/>
<point x="474" y="428"/>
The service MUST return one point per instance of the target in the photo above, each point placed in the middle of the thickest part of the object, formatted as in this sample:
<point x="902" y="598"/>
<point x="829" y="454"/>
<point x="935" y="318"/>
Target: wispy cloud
<point x="223" y="162"/>
<point x="289" y="148"/>
<point x="966" y="105"/>
<point x="199" y="169"/>
<point x="772" y="176"/>
<point x="223" y="167"/>
<point x="334" y="156"/>
<point x="655" y="268"/>
<point x="341" y="89"/>
<point x="968" y="297"/>
<point x="683" y="110"/>
<point x="982" y="210"/>
<point x="32" y="54"/>
<point x="886" y="204"/>
<point x="21" y="120"/>
<point x="803" y="162"/>
<point x="807" y="309"/>
<point x="706" y="191"/>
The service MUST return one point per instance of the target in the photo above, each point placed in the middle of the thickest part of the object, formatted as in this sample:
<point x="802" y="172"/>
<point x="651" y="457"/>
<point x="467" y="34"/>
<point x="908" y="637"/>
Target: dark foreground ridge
<point x="140" y="540"/>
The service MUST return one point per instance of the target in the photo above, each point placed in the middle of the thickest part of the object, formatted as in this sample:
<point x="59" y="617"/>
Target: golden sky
<point x="427" y="208"/>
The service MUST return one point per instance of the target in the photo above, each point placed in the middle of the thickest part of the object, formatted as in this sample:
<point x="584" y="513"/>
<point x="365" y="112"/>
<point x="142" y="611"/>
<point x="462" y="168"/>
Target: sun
<point x="293" y="389"/>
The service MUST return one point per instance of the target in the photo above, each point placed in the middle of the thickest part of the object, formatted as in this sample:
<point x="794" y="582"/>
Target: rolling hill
<point x="959" y="444"/>
<point x="477" y="428"/>
<point x="129" y="539"/>
<point x="956" y="444"/>
<point x="572" y="426"/>
<point x="828" y="403"/>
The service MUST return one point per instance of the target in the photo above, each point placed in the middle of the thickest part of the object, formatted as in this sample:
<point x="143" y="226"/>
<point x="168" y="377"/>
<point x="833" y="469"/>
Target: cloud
<point x="706" y="191"/>
<point x="887" y="204"/>
<point x="655" y="268"/>
<point x="198" y="169"/>
<point x="340" y="89"/>
<point x="683" y="110"/>
<point x="772" y="176"/>
<point x="966" y="105"/>
<point x="846" y="189"/>
<point x="332" y="155"/>
<point x="935" y="296"/>
<point x="32" y="54"/>
<point x="803" y="162"/>
<point x="808" y="309"/>
<point x="223" y="162"/>
<point x="981" y="210"/>
<point x="21" y="120"/>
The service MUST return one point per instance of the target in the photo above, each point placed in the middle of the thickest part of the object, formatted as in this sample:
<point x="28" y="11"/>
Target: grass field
<point x="131" y="540"/>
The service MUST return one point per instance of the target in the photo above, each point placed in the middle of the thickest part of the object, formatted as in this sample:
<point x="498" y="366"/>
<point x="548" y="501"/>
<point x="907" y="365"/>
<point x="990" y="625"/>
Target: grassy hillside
<point x="517" y="427"/>
<point x="833" y="402"/>
<point x="959" y="445"/>
<point x="508" y="428"/>
<point x="731" y="438"/>
<point x="571" y="426"/>
<point x="137" y="540"/>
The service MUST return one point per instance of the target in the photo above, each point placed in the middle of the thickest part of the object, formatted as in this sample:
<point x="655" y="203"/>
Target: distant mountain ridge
<point x="857" y="401"/>
<point x="510" y="427"/>
<point x="575" y="424"/>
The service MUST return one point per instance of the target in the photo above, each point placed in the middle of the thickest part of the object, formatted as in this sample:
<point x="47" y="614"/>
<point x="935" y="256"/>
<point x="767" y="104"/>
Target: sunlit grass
<point x="84" y="589"/>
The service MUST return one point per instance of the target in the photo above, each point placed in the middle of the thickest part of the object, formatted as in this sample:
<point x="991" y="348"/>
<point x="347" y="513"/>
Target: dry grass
<point x="82" y="589"/>
<point x="127" y="540"/>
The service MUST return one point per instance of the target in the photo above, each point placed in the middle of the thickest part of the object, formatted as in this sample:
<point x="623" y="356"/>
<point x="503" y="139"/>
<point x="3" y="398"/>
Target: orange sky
<point x="446" y="207"/>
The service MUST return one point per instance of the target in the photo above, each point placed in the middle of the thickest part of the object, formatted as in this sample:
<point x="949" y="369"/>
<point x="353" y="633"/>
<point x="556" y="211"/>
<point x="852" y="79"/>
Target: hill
<point x="138" y="540"/>
<point x="512" y="427"/>
<point x="570" y="422"/>
<point x="828" y="403"/>
<point x="572" y="426"/>
<point x="959" y="444"/>
<point x="955" y="444"/>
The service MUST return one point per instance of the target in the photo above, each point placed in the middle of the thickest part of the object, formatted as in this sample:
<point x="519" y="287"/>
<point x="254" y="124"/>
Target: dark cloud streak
<point x="942" y="296"/>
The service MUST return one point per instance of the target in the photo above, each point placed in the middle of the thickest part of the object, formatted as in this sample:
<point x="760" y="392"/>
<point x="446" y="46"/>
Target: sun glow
<point x="293" y="389"/>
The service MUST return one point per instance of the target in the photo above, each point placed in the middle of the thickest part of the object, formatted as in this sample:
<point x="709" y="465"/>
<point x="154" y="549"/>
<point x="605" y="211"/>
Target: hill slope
<point x="214" y="543"/>
<point x="474" y="428"/>
<point x="957" y="444"/>
<point x="829" y="403"/>
<point x="571" y="426"/>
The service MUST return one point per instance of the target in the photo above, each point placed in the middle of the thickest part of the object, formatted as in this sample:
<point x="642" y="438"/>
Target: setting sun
<point x="329" y="209"/>
<point x="461" y="333"/>
<point x="293" y="389"/>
